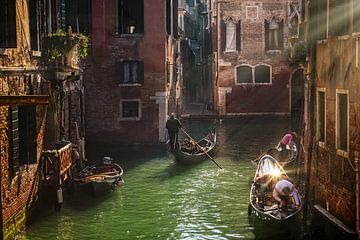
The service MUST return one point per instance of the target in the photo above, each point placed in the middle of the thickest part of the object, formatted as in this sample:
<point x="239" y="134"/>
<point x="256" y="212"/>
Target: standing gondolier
<point x="173" y="125"/>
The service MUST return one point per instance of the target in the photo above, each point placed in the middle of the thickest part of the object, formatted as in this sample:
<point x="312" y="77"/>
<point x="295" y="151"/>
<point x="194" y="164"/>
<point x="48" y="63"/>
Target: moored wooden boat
<point x="207" y="144"/>
<point x="263" y="208"/>
<point x="101" y="176"/>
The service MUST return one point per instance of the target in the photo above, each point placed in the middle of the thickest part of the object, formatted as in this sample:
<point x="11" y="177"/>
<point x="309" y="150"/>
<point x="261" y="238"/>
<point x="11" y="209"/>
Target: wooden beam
<point x="7" y="100"/>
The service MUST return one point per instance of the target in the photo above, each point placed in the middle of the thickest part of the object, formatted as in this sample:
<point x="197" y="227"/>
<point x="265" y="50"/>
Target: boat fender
<point x="59" y="195"/>
<point x="249" y="209"/>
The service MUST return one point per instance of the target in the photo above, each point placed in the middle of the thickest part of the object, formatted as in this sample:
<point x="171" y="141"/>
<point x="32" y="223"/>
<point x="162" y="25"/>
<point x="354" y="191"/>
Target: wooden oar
<point x="201" y="149"/>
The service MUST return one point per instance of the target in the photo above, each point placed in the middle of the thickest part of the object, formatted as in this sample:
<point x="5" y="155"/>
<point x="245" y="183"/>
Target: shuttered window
<point x="321" y="116"/>
<point x="262" y="74"/>
<point x="244" y="74"/>
<point x="342" y="121"/>
<point x="130" y="72"/>
<point x="7" y="24"/>
<point x="23" y="135"/>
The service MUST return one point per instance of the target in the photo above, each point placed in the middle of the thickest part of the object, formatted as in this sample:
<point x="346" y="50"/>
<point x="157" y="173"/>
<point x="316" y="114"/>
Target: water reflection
<point x="164" y="200"/>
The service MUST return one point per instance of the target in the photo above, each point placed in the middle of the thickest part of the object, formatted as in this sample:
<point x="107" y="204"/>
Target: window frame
<point x="322" y="90"/>
<point x="122" y="118"/>
<point x="140" y="72"/>
<point x="253" y="74"/>
<point x="120" y="19"/>
<point x="341" y="152"/>
<point x="228" y="21"/>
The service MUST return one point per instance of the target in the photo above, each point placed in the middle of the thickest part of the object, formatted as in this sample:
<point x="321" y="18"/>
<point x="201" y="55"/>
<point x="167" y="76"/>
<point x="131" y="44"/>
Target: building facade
<point x="332" y="119"/>
<point x="127" y="81"/>
<point x="253" y="73"/>
<point x="30" y="84"/>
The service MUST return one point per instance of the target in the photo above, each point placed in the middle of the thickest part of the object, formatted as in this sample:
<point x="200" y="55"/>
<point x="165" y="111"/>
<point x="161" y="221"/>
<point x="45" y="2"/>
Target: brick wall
<point x="19" y="190"/>
<point x="252" y="98"/>
<point x="102" y="89"/>
<point x="333" y="179"/>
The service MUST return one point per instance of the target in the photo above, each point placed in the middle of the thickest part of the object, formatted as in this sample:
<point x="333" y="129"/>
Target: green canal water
<point x="164" y="200"/>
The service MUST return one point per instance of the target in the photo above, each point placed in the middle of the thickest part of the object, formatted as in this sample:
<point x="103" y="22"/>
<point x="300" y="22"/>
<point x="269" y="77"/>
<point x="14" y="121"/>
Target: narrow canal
<point x="162" y="200"/>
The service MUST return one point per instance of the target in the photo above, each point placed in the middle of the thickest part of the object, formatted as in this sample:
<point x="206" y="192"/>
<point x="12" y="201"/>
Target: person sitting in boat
<point x="286" y="144"/>
<point x="189" y="146"/>
<point x="282" y="193"/>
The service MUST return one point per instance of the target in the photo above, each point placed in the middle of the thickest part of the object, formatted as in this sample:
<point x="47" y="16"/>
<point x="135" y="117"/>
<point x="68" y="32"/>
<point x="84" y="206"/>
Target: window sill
<point x="273" y="51"/>
<point x="230" y="51"/>
<point x="356" y="34"/>
<point x="343" y="37"/>
<point x="122" y="119"/>
<point x="129" y="35"/>
<point x="342" y="153"/>
<point x="252" y="84"/>
<point x="130" y="85"/>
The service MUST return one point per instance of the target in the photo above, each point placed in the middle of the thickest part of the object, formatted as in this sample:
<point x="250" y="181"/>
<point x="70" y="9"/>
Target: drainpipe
<point x="356" y="162"/>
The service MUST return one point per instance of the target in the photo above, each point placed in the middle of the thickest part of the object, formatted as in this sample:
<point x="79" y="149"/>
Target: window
<point x="130" y="72"/>
<point x="34" y="17"/>
<point x="23" y="135"/>
<point x="77" y="15"/>
<point x="321" y="115"/>
<point x="342" y="120"/>
<point x="130" y="109"/>
<point x="51" y="14"/>
<point x="244" y="74"/>
<point x="273" y="34"/>
<point x="7" y="24"/>
<point x="172" y="17"/>
<point x="260" y="74"/>
<point x="131" y="16"/>
<point x="230" y="35"/>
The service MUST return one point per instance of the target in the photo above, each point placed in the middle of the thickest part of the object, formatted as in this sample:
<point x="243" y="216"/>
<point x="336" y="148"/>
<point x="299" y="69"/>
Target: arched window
<point x="244" y="74"/>
<point x="262" y="74"/>
<point x="230" y="35"/>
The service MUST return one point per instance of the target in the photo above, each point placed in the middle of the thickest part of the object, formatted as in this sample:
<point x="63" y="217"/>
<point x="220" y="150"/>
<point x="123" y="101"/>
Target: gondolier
<point x="173" y="125"/>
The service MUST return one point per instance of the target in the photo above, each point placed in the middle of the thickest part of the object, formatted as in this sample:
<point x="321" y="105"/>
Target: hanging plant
<point x="58" y="45"/>
<point x="297" y="53"/>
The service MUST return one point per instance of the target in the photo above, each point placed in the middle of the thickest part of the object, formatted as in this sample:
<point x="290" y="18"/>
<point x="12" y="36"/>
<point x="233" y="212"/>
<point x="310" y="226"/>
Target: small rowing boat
<point x="102" y="176"/>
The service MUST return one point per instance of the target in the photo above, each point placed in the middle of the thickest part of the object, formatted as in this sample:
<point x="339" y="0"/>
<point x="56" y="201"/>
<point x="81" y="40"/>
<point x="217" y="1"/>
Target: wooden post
<point x="356" y="162"/>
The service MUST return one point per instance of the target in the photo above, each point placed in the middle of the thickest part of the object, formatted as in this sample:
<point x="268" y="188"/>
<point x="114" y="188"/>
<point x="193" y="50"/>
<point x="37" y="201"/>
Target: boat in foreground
<point x="204" y="148"/>
<point x="263" y="208"/>
<point x="101" y="176"/>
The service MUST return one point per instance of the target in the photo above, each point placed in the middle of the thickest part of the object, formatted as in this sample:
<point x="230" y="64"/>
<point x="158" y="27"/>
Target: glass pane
<point x="262" y="74"/>
<point x="244" y="74"/>
<point x="130" y="109"/>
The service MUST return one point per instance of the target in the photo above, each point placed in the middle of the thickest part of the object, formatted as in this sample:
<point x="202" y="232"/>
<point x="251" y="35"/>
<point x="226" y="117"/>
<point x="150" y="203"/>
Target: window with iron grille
<point x="23" y="136"/>
<point x="130" y="109"/>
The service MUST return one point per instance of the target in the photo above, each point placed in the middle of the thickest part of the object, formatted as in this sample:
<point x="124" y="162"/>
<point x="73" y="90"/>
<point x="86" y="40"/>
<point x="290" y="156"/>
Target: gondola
<point x="263" y="208"/>
<point x="101" y="176"/>
<point x="204" y="147"/>
<point x="284" y="157"/>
